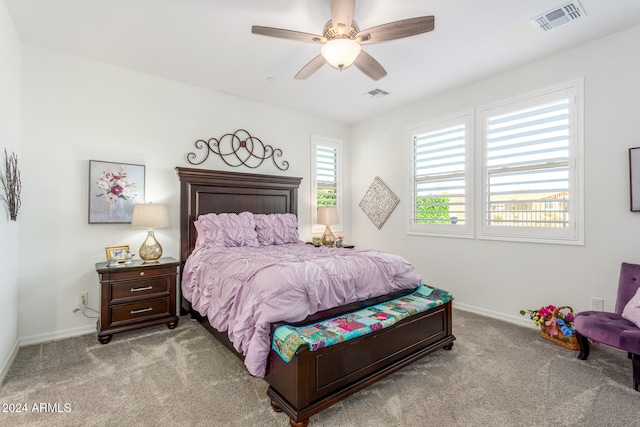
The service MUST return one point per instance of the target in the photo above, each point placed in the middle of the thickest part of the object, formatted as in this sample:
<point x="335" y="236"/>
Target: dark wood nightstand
<point x="137" y="296"/>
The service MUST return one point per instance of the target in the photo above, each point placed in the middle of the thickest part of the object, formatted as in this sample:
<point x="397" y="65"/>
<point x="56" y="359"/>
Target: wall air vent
<point x="559" y="16"/>
<point x="377" y="93"/>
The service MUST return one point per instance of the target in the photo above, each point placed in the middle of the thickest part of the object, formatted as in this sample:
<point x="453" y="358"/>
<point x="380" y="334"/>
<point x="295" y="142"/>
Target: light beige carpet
<point x="497" y="374"/>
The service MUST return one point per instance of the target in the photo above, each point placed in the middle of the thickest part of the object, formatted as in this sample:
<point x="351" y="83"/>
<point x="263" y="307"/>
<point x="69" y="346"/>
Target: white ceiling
<point x="208" y="43"/>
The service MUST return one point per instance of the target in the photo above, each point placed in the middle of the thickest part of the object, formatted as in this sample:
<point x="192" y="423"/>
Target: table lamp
<point x="150" y="215"/>
<point x="327" y="215"/>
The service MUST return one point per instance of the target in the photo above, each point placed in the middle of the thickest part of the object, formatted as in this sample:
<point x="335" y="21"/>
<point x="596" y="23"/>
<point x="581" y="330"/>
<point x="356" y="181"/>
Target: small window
<point x="326" y="169"/>
<point x="441" y="162"/>
<point x="531" y="165"/>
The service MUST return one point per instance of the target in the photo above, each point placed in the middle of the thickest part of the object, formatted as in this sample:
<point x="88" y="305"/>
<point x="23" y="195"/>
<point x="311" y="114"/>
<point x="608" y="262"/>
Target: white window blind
<point x="527" y="154"/>
<point x="532" y="167"/>
<point x="326" y="175"/>
<point x="440" y="176"/>
<point x="439" y="172"/>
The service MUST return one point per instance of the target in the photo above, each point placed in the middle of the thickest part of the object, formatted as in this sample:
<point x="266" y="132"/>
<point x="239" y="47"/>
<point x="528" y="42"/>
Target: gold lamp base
<point x="150" y="250"/>
<point x="328" y="239"/>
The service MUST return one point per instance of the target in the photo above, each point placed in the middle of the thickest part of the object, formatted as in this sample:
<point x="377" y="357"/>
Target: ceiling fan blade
<point x="314" y="65"/>
<point x="288" y="34"/>
<point x="368" y="65"/>
<point x="342" y="15"/>
<point x="396" y="30"/>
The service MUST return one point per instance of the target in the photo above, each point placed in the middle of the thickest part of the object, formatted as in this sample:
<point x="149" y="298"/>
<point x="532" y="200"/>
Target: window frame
<point x="465" y="230"/>
<point x="574" y="233"/>
<point x="323" y="141"/>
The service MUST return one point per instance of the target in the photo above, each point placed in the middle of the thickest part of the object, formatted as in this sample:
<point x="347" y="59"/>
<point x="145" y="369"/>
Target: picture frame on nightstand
<point x="116" y="251"/>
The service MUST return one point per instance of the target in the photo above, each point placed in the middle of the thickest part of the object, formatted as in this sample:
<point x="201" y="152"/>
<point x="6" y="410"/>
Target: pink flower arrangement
<point x="553" y="319"/>
<point x="116" y="185"/>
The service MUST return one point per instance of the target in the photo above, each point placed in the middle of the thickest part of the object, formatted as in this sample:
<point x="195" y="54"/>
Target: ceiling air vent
<point x="559" y="16"/>
<point x="377" y="93"/>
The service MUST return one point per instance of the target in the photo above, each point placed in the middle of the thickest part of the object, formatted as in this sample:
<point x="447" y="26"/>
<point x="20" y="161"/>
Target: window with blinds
<point x="440" y="195"/>
<point x="530" y="157"/>
<point x="528" y="167"/>
<point x="326" y="175"/>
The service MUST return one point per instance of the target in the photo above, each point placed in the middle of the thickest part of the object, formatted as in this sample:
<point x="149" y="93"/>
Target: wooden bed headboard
<point x="204" y="191"/>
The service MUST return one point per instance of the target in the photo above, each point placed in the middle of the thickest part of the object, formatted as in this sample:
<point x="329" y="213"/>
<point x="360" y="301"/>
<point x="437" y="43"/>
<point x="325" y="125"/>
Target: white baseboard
<point x="57" y="335"/>
<point x="9" y="361"/>
<point x="517" y="320"/>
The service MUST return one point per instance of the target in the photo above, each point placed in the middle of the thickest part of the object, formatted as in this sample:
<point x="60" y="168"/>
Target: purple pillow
<point x="276" y="229"/>
<point x="226" y="230"/>
<point x="631" y="311"/>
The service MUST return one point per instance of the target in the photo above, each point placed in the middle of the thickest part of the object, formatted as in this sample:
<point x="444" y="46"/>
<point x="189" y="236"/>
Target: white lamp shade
<point x="340" y="53"/>
<point x="150" y="215"/>
<point x="328" y="216"/>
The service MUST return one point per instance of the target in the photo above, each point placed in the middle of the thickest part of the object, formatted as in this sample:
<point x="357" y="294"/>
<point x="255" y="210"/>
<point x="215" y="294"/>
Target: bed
<point x="312" y="380"/>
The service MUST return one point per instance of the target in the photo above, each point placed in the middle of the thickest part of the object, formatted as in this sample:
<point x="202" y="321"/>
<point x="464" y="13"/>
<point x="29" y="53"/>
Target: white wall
<point x="500" y="278"/>
<point x="75" y="110"/>
<point x="9" y="230"/>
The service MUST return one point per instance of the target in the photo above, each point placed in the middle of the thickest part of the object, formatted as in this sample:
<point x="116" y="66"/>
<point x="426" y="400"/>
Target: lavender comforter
<point x="242" y="290"/>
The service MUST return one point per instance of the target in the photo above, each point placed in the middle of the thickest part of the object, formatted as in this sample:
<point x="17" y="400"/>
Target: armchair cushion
<point x="609" y="328"/>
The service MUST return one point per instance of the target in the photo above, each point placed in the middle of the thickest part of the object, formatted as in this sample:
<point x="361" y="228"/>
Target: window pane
<point x="327" y="176"/>
<point x="439" y="176"/>
<point x="527" y="163"/>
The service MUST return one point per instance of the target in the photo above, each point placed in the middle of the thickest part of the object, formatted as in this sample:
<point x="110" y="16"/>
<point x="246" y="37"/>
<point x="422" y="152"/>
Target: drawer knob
<point x="142" y="273"/>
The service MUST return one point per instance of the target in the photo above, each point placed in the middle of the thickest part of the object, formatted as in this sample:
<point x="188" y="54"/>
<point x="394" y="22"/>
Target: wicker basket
<point x="569" y="342"/>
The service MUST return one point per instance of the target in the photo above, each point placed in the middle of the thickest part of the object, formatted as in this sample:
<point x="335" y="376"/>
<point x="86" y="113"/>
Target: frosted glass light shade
<point x="340" y="53"/>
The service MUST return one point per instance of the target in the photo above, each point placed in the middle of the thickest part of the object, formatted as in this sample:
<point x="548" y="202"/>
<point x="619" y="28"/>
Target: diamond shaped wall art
<point x="378" y="202"/>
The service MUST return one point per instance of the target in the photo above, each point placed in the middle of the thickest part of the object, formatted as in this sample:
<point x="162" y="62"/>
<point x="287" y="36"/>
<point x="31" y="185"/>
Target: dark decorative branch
<point x="11" y="184"/>
<point x="237" y="149"/>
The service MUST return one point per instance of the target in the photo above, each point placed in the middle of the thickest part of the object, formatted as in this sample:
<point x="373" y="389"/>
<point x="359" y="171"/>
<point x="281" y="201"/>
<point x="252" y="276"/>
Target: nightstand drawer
<point x="115" y="274"/>
<point x="141" y="288"/>
<point x="149" y="309"/>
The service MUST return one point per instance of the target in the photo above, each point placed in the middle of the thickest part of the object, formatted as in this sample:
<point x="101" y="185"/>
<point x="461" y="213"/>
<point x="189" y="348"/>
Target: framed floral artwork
<point x="113" y="190"/>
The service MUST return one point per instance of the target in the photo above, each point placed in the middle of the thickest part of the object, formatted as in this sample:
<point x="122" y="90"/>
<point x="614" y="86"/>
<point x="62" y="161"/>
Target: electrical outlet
<point x="597" y="304"/>
<point x="82" y="299"/>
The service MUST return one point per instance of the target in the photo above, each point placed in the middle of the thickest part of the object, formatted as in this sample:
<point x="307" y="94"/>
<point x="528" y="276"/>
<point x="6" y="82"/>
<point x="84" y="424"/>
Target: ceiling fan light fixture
<point x="340" y="53"/>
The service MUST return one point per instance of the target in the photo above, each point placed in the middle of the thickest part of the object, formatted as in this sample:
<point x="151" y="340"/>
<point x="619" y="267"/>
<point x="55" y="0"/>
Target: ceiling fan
<point x="342" y="39"/>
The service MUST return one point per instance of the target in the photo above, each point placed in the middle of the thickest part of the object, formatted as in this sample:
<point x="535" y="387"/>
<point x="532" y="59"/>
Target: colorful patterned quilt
<point x="287" y="339"/>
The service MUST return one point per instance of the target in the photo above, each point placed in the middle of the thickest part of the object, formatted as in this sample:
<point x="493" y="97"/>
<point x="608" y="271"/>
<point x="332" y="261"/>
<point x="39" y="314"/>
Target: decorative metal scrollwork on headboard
<point x="237" y="149"/>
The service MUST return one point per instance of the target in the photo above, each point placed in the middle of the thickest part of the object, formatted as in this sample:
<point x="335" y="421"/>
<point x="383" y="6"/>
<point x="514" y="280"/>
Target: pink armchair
<point x="613" y="329"/>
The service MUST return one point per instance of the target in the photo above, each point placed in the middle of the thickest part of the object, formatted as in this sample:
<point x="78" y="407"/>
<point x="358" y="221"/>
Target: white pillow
<point x="631" y="311"/>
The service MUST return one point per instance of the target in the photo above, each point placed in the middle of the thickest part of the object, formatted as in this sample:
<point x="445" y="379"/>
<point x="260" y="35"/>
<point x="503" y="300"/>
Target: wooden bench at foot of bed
<point x="315" y="380"/>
